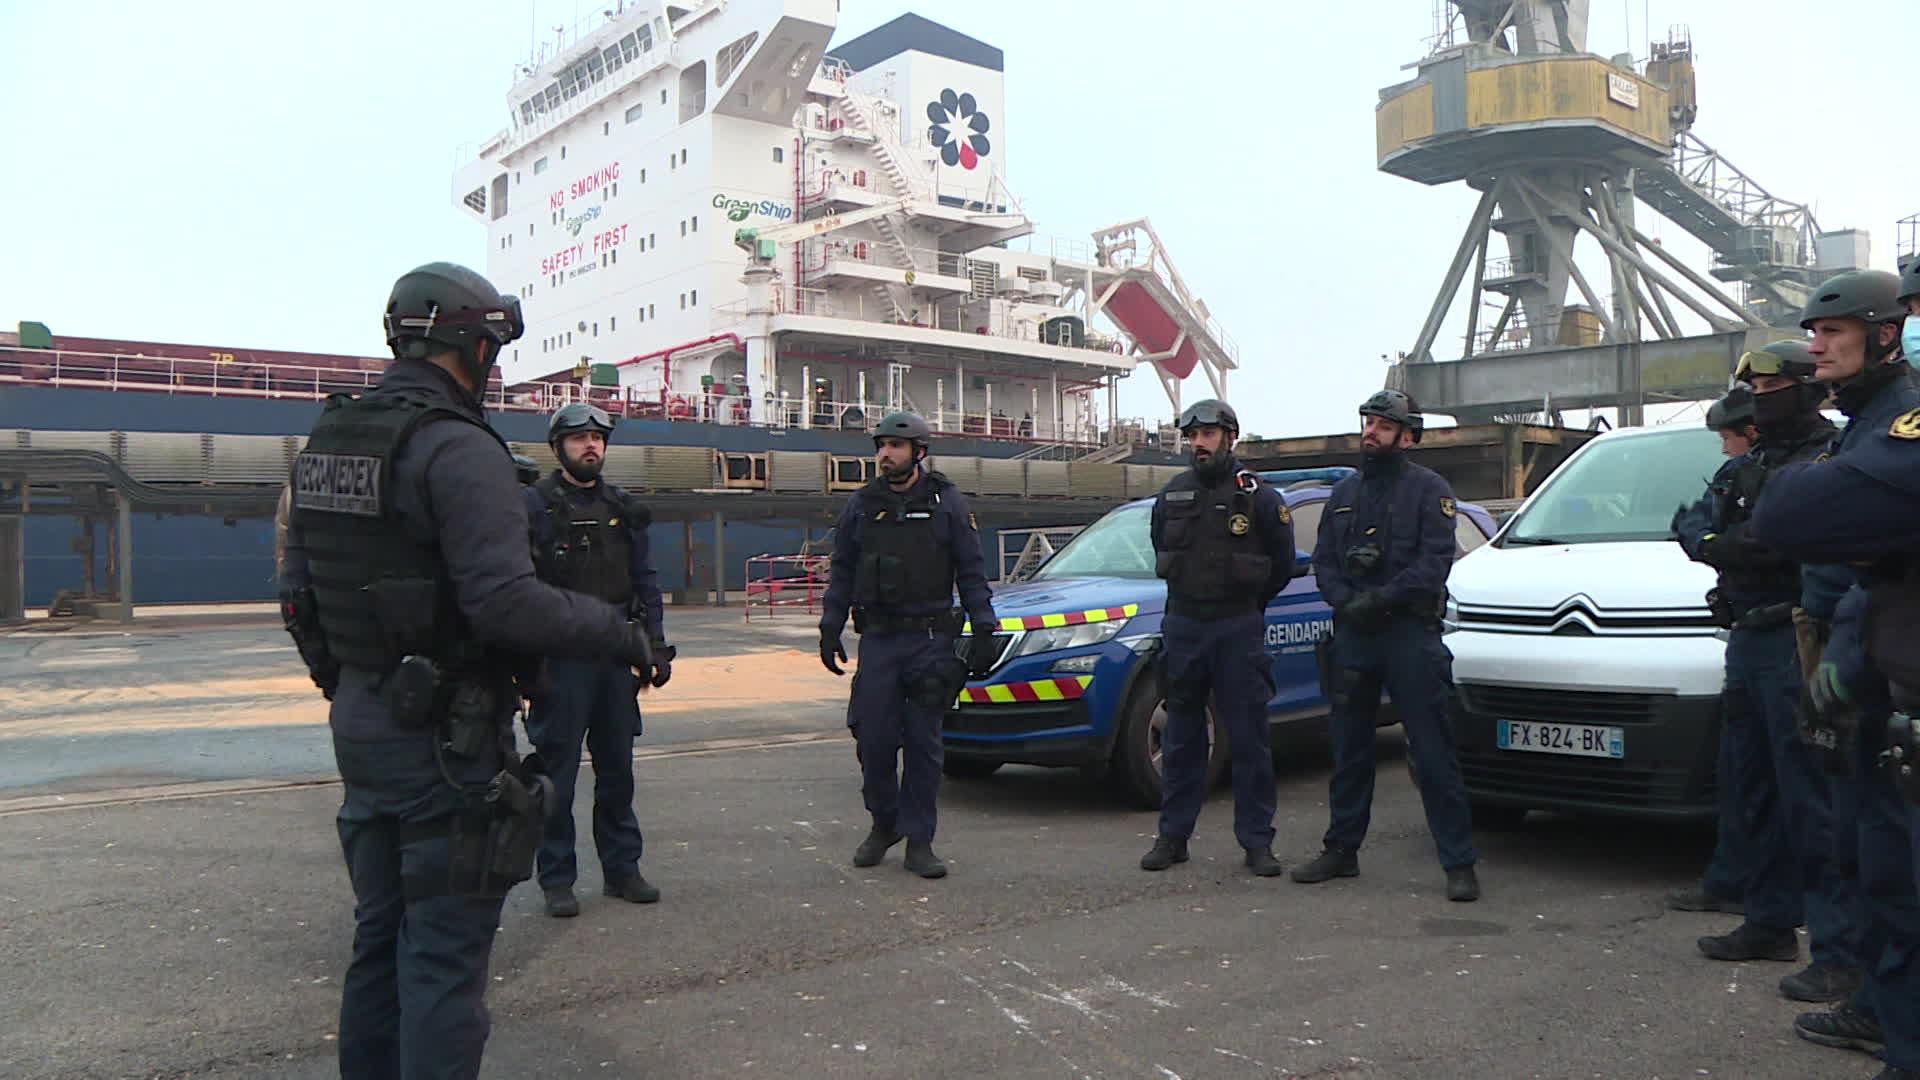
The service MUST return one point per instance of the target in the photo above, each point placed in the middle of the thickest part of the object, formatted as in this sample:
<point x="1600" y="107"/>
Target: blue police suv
<point x="1077" y="683"/>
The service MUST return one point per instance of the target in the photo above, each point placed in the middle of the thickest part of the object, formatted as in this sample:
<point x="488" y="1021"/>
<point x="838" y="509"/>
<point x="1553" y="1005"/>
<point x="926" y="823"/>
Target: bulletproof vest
<point x="903" y="564"/>
<point x="1735" y="497"/>
<point x="589" y="548"/>
<point x="1210" y="550"/>
<point x="379" y="592"/>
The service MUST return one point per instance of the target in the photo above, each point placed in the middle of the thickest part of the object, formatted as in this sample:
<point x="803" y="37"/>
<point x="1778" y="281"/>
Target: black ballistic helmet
<point x="1211" y="411"/>
<point x="1789" y="358"/>
<point x="1395" y="406"/>
<point x="1732" y="412"/>
<point x="903" y="425"/>
<point x="578" y="416"/>
<point x="1872" y="296"/>
<point x="449" y="306"/>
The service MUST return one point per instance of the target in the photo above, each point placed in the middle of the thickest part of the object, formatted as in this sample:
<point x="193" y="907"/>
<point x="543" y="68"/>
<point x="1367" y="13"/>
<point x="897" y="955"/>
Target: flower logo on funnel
<point x="959" y="129"/>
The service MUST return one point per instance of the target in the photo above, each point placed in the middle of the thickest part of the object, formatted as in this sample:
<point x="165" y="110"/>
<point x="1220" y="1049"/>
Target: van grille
<point x="1560" y="706"/>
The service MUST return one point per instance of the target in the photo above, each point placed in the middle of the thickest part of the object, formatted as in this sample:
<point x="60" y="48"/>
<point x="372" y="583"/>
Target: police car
<point x="1076" y="683"/>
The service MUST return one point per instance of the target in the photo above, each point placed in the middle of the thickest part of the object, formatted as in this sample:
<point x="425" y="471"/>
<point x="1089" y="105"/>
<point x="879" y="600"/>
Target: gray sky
<point x="255" y="175"/>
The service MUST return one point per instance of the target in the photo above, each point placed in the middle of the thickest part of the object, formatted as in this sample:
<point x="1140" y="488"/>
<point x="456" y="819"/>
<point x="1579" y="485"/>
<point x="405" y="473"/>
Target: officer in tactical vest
<point x="1780" y="797"/>
<point x="1224" y="543"/>
<point x="1386" y="547"/>
<point x="1860" y="504"/>
<point x="411" y="594"/>
<point x="903" y="544"/>
<point x="591" y="537"/>
<point x="1723" y="886"/>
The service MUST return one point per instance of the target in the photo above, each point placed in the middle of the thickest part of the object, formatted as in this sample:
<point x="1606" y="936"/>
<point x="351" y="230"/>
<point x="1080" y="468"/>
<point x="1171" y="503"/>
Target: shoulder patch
<point x="1447" y="505"/>
<point x="1906" y="426"/>
<point x="1286" y="515"/>
<point x="1247" y="479"/>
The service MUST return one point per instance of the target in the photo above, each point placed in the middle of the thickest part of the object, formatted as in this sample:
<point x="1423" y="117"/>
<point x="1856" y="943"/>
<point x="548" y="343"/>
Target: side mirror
<point x="1302" y="564"/>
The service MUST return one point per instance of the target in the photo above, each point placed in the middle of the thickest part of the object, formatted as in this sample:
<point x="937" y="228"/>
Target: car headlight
<point x="1450" y="615"/>
<point x="1055" y="638"/>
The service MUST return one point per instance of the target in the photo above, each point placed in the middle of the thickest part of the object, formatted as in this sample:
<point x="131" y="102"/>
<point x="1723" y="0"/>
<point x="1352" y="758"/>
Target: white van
<point x="1588" y="668"/>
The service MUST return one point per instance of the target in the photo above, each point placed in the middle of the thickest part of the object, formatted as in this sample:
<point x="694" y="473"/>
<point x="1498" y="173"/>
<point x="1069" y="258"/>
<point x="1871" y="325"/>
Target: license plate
<point x="1580" y="740"/>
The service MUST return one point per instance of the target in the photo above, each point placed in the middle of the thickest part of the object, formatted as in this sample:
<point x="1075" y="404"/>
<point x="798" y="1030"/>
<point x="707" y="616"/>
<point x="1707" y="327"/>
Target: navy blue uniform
<point x="1862" y="505"/>
<point x="594" y="700"/>
<point x="1779" y="796"/>
<point x="905" y="679"/>
<point x="1214" y="639"/>
<point x="1407" y="511"/>
<point x="413" y="1000"/>
<point x="1735" y="854"/>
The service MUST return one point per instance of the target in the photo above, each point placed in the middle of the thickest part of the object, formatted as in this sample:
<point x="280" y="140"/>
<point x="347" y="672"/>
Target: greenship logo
<point x="742" y="209"/>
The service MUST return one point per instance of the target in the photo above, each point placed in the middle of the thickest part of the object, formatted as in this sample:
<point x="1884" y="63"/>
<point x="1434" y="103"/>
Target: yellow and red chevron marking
<point x="1010" y="623"/>
<point x="1067" y="689"/>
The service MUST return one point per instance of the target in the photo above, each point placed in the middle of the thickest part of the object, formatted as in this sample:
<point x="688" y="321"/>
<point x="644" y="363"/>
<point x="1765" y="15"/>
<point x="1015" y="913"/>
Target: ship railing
<point x="883" y="254"/>
<point x="236" y="377"/>
<point x="862" y="305"/>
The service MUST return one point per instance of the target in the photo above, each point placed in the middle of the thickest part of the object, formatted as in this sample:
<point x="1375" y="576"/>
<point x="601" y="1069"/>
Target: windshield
<point x="1118" y="545"/>
<point x="1620" y="489"/>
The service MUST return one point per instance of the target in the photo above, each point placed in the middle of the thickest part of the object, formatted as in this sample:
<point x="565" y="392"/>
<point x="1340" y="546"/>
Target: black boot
<point x="1697" y="898"/>
<point x="635" y="889"/>
<point x="561" y="903"/>
<point x="1750" y="942"/>
<point x="1463" y="885"/>
<point x="1842" y="1028"/>
<point x="1329" y="864"/>
<point x="1821" y="982"/>
<point x="1166" y="851"/>
<point x="921" y="860"/>
<point x="1263" y="864"/>
<point x="874" y="847"/>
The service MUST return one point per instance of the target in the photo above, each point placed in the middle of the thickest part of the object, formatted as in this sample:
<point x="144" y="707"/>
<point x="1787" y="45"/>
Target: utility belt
<point x="1188" y="607"/>
<point x="879" y="624"/>
<point x="1729" y="616"/>
<point x="495" y="830"/>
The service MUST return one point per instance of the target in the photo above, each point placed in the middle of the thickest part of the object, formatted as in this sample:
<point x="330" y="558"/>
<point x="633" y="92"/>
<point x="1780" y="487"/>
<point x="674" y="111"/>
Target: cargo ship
<point x="734" y="234"/>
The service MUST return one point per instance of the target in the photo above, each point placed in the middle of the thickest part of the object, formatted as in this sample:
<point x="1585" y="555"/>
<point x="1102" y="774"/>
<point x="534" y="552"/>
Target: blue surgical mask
<point x="1910" y="339"/>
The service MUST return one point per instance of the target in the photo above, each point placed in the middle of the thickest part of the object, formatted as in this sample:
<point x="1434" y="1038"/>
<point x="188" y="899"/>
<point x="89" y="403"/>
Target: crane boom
<point x="761" y="244"/>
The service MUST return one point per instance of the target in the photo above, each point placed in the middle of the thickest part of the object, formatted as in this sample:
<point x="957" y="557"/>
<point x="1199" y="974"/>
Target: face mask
<point x="1910" y="339"/>
<point x="1776" y="410"/>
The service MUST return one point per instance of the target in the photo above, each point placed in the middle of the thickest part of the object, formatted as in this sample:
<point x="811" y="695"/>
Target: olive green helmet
<point x="1872" y="296"/>
<point x="1789" y="358"/>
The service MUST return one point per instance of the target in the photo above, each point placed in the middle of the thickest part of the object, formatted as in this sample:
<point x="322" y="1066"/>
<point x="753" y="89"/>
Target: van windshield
<point x="1620" y="489"/>
<point x="1118" y="545"/>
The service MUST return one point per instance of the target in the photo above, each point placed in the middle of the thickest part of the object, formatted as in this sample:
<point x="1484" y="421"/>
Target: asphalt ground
<point x="174" y="904"/>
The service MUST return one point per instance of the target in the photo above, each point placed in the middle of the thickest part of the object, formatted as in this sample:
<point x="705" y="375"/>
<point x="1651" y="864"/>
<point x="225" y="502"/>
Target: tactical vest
<point x="380" y="593"/>
<point x="1210" y="549"/>
<point x="904" y="566"/>
<point x="589" y="548"/>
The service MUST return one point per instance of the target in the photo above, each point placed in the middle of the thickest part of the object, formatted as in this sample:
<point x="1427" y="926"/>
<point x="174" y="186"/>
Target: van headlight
<point x="1055" y="638"/>
<point x="1450" y="615"/>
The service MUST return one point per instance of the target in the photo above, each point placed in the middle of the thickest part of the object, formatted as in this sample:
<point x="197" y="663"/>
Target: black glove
<point x="1365" y="611"/>
<point x="983" y="649"/>
<point x="663" y="655"/>
<point x="637" y="650"/>
<point x="831" y="650"/>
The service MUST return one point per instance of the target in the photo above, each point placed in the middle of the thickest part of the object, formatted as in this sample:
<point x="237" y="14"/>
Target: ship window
<point x="553" y="96"/>
<point x="683" y="155"/>
<point x="596" y="329"/>
<point x="683" y="226"/>
<point x="694" y="298"/>
<point x="596" y="69"/>
<point x="499" y="200"/>
<point x="569" y="337"/>
<point x="634" y="113"/>
<point x="683" y="301"/>
<point x="606" y="127"/>
<point x="627" y="49"/>
<point x="616" y="254"/>
<point x="645" y="38"/>
<point x="779" y="155"/>
<point x="696" y="223"/>
<point x="568" y="87"/>
<point x="610" y="56"/>
<point x="643" y="176"/>
<point x="663" y="97"/>
<point x="613" y="323"/>
<point x="539" y="166"/>
<point x="615" y="189"/>
<point x="563" y="153"/>
<point x="672" y="163"/>
<point x="652" y="314"/>
<point x="653" y="240"/>
<point x="526" y="112"/>
<point x="643" y="314"/>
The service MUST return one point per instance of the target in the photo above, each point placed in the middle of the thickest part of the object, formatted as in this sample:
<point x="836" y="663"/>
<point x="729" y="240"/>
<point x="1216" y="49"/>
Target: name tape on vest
<point x="337" y="483"/>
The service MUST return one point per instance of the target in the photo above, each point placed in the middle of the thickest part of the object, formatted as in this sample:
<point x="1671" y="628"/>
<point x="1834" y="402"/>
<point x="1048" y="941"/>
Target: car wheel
<point x="1137" y="752"/>
<point x="970" y="768"/>
<point x="1496" y="816"/>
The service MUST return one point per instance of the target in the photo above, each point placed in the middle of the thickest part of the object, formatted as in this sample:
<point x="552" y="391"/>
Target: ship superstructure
<point x="711" y="216"/>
